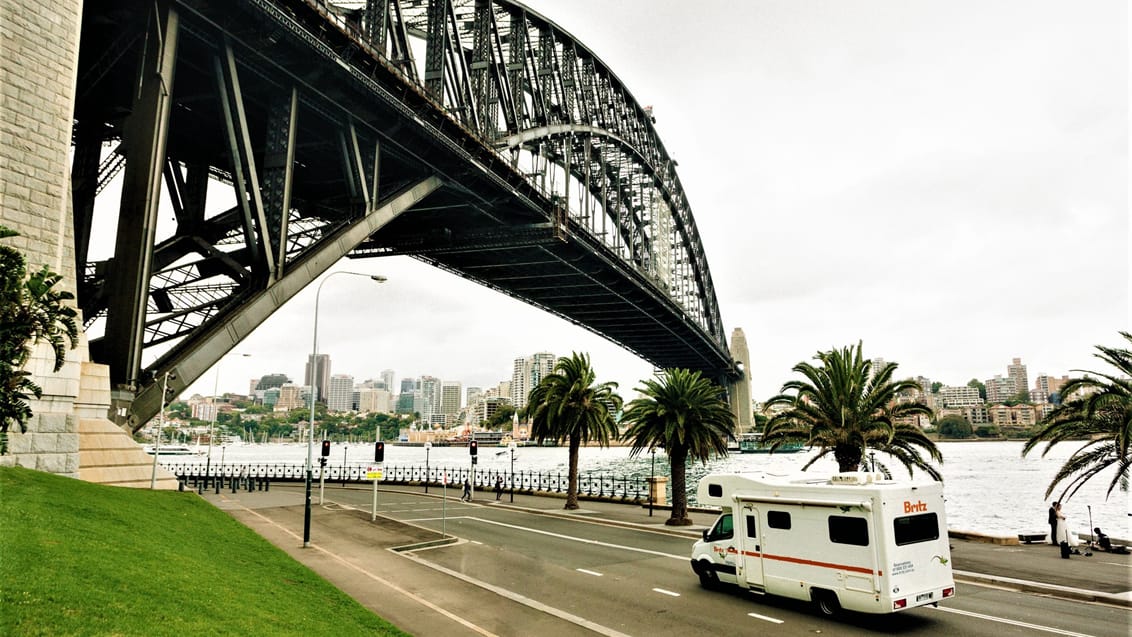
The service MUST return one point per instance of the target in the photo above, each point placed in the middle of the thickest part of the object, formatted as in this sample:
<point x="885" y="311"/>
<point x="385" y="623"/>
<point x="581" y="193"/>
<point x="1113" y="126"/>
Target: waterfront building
<point x="1016" y="372"/>
<point x="290" y="397"/>
<point x="1016" y="417"/>
<point x="375" y="401"/>
<point x="962" y="396"/>
<point x="450" y="395"/>
<point x="1000" y="389"/>
<point x="271" y="397"/>
<point x="317" y="374"/>
<point x="340" y="393"/>
<point x="526" y="373"/>
<point x="741" y="389"/>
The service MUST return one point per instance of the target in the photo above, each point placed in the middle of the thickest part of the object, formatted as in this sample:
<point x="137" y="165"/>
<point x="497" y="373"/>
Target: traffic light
<point x="325" y="448"/>
<point x="474" y="448"/>
<point x="379" y="452"/>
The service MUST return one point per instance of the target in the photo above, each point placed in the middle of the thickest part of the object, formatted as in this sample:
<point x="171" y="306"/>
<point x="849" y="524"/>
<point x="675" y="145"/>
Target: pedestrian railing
<point x="598" y="484"/>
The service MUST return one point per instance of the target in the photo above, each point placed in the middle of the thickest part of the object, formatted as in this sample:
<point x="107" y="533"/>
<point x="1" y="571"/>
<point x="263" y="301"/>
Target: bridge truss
<point x="474" y="135"/>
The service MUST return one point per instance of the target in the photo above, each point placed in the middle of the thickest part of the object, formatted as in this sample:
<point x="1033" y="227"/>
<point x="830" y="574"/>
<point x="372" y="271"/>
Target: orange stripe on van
<point x="798" y="560"/>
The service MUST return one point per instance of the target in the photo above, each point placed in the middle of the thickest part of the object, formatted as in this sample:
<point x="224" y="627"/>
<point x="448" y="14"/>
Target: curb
<point x="1052" y="590"/>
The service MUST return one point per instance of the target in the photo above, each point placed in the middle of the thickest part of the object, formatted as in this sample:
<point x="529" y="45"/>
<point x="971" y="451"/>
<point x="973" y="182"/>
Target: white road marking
<point x="664" y="592"/>
<point x="1012" y="622"/>
<point x="420" y="600"/>
<point x="682" y="558"/>
<point x="587" y="572"/>
<point x="764" y="618"/>
<point x="522" y="599"/>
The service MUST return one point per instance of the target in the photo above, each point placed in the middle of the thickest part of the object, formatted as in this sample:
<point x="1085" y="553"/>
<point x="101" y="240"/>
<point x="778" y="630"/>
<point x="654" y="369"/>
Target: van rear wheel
<point x="826" y="602"/>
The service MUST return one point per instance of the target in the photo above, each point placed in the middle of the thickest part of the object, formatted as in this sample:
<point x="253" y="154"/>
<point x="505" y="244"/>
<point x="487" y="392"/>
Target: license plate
<point x="922" y="596"/>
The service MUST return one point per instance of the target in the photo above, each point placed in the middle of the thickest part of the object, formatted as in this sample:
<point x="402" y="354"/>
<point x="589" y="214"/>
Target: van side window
<point x="911" y="529"/>
<point x="778" y="519"/>
<point x="715" y="490"/>
<point x="846" y="530"/>
<point x="723" y="530"/>
<point x="752" y="532"/>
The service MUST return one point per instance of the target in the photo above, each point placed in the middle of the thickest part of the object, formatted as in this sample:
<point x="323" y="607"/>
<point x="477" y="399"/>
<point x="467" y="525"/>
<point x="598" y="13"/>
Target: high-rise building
<point x="526" y="373"/>
<point x="1016" y="372"/>
<point x="374" y="401"/>
<point x="429" y="402"/>
<point x="1000" y="389"/>
<point x="317" y="374"/>
<point x="340" y="393"/>
<point x="963" y="396"/>
<point x="387" y="377"/>
<point x="450" y="391"/>
<point x="290" y="397"/>
<point x="740" y="390"/>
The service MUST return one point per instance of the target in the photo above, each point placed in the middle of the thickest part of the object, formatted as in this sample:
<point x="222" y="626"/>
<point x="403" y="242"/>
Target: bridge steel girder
<point x="303" y="109"/>
<point x="224" y="334"/>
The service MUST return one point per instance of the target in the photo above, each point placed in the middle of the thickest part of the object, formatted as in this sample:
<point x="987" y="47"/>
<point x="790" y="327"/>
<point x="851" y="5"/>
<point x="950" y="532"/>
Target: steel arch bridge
<point x="474" y="135"/>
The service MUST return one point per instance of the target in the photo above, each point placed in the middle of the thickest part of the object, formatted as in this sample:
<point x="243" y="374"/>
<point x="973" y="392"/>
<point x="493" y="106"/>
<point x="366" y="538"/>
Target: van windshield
<point x="912" y="529"/>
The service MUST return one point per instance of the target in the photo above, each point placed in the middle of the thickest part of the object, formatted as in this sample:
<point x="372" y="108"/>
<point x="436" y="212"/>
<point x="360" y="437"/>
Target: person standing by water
<point x="498" y="487"/>
<point x="467" y="495"/>
<point x="1054" y="513"/>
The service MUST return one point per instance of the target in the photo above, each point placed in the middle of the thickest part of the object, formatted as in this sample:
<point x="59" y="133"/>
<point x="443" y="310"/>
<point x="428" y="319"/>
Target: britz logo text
<point x="916" y="507"/>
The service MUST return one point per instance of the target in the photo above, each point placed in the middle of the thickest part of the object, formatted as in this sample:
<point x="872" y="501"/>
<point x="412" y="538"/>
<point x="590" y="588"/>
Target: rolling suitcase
<point x="1064" y="550"/>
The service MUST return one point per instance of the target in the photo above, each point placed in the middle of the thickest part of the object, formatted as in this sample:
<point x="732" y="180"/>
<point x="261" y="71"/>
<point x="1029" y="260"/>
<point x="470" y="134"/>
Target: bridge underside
<point x="319" y="149"/>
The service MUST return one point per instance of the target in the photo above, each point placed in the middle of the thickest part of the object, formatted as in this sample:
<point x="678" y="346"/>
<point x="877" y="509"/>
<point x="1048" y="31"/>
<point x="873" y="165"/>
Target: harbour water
<point x="990" y="487"/>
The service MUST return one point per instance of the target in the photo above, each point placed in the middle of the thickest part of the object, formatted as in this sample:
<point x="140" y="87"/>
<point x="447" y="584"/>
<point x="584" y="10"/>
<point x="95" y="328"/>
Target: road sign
<point x="375" y="472"/>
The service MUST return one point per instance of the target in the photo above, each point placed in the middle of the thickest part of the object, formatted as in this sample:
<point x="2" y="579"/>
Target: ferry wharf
<point x="345" y="539"/>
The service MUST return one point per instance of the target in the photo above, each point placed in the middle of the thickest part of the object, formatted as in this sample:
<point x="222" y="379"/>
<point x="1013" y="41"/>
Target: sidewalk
<point x="1038" y="568"/>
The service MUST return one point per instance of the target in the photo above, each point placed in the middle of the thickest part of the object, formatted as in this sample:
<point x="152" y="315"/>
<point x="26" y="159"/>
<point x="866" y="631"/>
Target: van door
<point x="750" y="543"/>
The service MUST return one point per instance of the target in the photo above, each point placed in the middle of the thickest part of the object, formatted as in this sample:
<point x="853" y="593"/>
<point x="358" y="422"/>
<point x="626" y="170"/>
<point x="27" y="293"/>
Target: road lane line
<point x="588" y="572"/>
<point x="664" y="592"/>
<point x="682" y="558"/>
<point x="1012" y="622"/>
<point x="416" y="598"/>
<point x="765" y="618"/>
<point x="521" y="599"/>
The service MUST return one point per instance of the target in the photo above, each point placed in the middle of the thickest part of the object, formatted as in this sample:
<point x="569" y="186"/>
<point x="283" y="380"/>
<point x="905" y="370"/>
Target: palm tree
<point x="1100" y="414"/>
<point x="567" y="405"/>
<point x="845" y="407"/>
<point x="30" y="311"/>
<point x="685" y="414"/>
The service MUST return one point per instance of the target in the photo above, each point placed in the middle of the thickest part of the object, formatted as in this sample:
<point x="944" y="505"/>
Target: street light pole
<point x="511" y="446"/>
<point x="314" y="395"/>
<point x="427" y="448"/>
<point x="212" y="421"/>
<point x="160" y="426"/>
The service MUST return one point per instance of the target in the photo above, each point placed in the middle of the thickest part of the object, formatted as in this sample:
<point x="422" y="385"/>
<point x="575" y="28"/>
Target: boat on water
<point x="175" y="450"/>
<point x="752" y="443"/>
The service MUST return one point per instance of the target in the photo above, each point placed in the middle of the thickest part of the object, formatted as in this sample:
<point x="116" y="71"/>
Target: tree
<point x="31" y="311"/>
<point x="1096" y="409"/>
<point x="568" y="406"/>
<point x="845" y="407"/>
<point x="503" y="415"/>
<point x="686" y="415"/>
<point x="935" y="387"/>
<point x="954" y="426"/>
<point x="974" y="382"/>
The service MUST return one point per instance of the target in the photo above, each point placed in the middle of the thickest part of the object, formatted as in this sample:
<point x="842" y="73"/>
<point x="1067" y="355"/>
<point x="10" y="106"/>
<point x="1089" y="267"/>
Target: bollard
<point x="180" y="485"/>
<point x="266" y="484"/>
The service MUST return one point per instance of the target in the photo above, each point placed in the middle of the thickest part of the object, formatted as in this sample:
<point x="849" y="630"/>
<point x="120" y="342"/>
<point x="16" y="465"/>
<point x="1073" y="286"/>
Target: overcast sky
<point x="944" y="180"/>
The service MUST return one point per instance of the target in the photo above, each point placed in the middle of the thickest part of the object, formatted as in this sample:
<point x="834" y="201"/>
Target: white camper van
<point x="853" y="540"/>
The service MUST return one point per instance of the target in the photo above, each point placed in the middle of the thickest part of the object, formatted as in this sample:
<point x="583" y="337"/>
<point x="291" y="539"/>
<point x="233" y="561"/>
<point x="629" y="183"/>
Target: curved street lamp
<point x="314" y="395"/>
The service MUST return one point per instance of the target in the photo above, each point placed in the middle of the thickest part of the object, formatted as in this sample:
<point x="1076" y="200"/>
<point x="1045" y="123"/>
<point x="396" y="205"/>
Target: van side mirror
<point x="706" y="532"/>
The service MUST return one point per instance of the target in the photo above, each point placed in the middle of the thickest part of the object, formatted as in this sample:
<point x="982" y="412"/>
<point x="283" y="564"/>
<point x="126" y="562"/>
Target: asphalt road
<point x="621" y="581"/>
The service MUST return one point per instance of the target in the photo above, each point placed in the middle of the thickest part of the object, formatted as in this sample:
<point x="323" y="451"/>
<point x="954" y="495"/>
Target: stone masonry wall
<point x="39" y="42"/>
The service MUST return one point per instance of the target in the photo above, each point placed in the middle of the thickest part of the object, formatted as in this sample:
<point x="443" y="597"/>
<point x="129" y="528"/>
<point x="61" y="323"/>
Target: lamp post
<point x="511" y="446"/>
<point x="314" y="395"/>
<point x="160" y="426"/>
<point x="427" y="448"/>
<point x="212" y="421"/>
<point x="652" y="479"/>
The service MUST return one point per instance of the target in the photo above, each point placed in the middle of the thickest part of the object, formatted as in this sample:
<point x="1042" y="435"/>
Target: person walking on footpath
<point x="467" y="496"/>
<point x="1053" y="515"/>
<point x="498" y="487"/>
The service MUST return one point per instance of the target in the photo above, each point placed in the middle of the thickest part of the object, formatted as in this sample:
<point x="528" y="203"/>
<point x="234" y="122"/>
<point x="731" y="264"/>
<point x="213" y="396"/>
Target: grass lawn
<point x="84" y="559"/>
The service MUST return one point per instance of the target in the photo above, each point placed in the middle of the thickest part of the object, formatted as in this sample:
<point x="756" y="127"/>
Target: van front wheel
<point x="826" y="602"/>
<point x="708" y="578"/>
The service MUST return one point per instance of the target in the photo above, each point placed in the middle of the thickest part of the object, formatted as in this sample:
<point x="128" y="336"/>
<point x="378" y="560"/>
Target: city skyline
<point x="854" y="176"/>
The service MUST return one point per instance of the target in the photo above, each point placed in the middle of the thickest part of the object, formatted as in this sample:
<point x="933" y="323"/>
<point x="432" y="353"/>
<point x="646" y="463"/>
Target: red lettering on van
<point x="918" y="507"/>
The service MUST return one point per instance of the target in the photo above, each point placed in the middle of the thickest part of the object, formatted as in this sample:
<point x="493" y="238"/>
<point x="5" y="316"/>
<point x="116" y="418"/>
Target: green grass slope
<point x="84" y="559"/>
